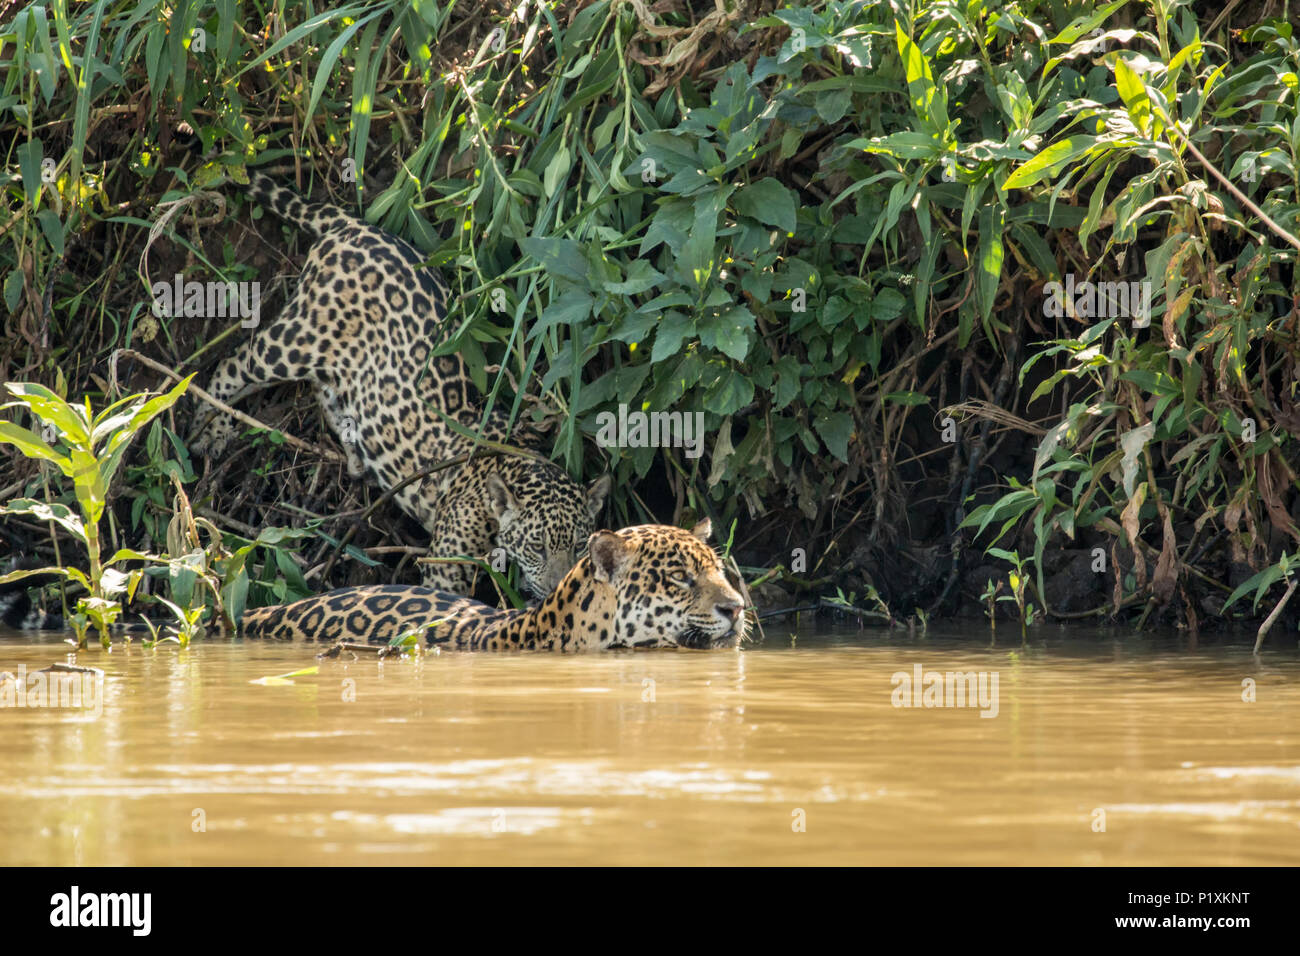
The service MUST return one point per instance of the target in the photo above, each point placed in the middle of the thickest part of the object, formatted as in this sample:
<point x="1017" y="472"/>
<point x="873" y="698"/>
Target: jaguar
<point x="644" y="586"/>
<point x="362" y="325"/>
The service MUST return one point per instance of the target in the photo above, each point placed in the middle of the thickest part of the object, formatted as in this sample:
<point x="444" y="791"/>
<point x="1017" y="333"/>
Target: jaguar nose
<point x="556" y="569"/>
<point x="731" y="610"/>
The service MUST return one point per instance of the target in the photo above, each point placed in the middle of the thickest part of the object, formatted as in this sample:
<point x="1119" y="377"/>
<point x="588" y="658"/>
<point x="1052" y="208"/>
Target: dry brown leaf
<point x="1232" y="513"/>
<point x="1165" y="578"/>
<point x="1174" y="313"/>
<point x="1277" y="513"/>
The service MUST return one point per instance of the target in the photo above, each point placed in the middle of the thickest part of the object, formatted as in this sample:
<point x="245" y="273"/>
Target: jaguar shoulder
<point x="361" y="326"/>
<point x="645" y="586"/>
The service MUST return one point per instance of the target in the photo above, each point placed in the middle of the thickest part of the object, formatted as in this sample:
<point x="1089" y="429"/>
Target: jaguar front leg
<point x="344" y="423"/>
<point x="257" y="364"/>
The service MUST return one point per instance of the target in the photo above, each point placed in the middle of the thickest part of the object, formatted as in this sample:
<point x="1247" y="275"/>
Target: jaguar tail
<point x="313" y="218"/>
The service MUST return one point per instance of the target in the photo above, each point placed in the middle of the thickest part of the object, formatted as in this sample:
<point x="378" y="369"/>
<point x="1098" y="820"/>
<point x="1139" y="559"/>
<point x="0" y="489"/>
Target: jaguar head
<point x="670" y="587"/>
<point x="544" y="519"/>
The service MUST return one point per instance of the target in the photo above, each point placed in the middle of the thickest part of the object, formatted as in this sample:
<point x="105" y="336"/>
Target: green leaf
<point x="330" y="57"/>
<point x="669" y="333"/>
<point x="835" y="430"/>
<point x="731" y="392"/>
<point x="1134" y="94"/>
<point x="927" y="100"/>
<point x="52" y="227"/>
<point x="29" y="572"/>
<point x="53" y="511"/>
<point x="111" y="455"/>
<point x="559" y="257"/>
<point x="641" y="277"/>
<point x="1048" y="446"/>
<point x="49" y="407"/>
<point x="30" y="444"/>
<point x="991" y="255"/>
<point x="570" y="307"/>
<point x="1261" y="582"/>
<point x="1049" y="161"/>
<point x="557" y="171"/>
<point x="769" y="202"/>
<point x="699" y="255"/>
<point x="29" y="164"/>
<point x="729" y="332"/>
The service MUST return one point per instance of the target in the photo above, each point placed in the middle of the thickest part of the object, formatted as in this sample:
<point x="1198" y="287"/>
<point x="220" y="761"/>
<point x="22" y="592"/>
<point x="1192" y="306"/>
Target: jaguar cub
<point x="361" y="326"/>
<point x="647" y="586"/>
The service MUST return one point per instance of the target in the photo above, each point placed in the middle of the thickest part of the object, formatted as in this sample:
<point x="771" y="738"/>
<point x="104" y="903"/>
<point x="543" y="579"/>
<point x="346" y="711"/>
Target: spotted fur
<point x="361" y="326"/>
<point x="647" y="586"/>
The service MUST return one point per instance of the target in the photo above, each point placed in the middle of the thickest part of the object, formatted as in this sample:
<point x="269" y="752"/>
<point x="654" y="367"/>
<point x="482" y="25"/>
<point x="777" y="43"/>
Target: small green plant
<point x="87" y="448"/>
<point x="412" y="639"/>
<point x="989" y="597"/>
<point x="1019" y="581"/>
<point x="146" y="483"/>
<point x="258" y="438"/>
<point x="924" y="619"/>
<point x="187" y="628"/>
<point x="1261" y="582"/>
<point x="848" y="602"/>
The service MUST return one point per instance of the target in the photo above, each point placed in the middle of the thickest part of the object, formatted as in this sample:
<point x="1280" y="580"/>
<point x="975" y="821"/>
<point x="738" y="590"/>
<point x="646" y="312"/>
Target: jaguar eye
<point x="683" y="580"/>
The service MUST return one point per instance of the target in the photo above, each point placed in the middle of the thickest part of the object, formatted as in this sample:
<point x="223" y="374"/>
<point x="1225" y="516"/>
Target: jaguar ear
<point x="597" y="492"/>
<point x="504" y="506"/>
<point x="703" y="530"/>
<point x="609" y="554"/>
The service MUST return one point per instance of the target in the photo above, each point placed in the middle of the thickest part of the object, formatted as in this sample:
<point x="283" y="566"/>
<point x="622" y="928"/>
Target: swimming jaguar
<point x="644" y="586"/>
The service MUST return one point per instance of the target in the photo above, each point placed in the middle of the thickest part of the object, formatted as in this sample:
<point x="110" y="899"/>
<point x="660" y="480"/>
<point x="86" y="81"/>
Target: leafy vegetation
<point x="940" y="277"/>
<point x="87" y="449"/>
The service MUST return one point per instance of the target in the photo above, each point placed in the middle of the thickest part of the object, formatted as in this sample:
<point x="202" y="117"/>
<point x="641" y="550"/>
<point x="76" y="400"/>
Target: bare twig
<point x="379" y="650"/>
<point x="1236" y="193"/>
<point x="1277" y="611"/>
<point x="217" y="403"/>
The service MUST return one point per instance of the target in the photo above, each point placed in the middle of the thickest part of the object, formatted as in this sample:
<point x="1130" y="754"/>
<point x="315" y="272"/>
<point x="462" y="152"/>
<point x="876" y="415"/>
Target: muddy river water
<point x="1079" y="747"/>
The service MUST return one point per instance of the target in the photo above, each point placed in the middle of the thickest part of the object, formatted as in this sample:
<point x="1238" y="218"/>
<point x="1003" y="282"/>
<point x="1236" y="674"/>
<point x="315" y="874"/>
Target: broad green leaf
<point x="53" y="511"/>
<point x="1047" y="162"/>
<point x="835" y="430"/>
<point x="769" y="202"/>
<point x="30" y="444"/>
<point x="1134" y="94"/>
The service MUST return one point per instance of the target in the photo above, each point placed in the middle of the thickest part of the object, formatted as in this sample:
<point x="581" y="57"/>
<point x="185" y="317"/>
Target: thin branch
<point x="1277" y="611"/>
<point x="217" y="403"/>
<point x="1236" y="193"/>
